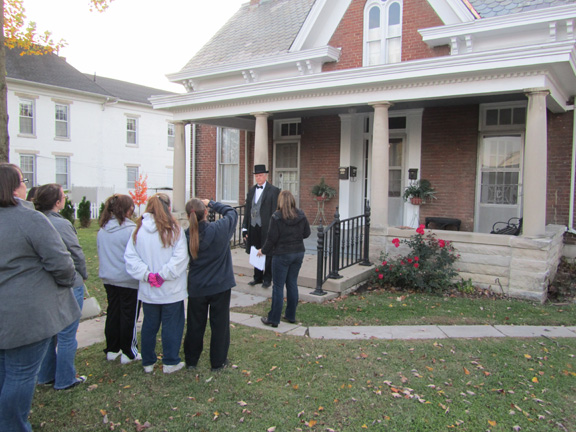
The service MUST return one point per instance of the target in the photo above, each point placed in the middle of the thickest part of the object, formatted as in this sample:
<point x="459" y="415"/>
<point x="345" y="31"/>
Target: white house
<point x="92" y="135"/>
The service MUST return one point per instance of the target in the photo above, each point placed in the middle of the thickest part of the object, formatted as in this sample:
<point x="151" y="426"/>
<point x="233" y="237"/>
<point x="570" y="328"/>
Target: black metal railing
<point x="237" y="239"/>
<point x="342" y="244"/>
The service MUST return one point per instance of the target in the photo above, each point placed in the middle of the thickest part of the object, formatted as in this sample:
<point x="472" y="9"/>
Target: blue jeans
<point x="18" y="371"/>
<point x="171" y="317"/>
<point x="58" y="364"/>
<point x="285" y="269"/>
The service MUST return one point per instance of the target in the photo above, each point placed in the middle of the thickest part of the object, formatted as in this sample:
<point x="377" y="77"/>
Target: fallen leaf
<point x="535" y="379"/>
<point x="242" y="403"/>
<point x="271" y="429"/>
<point x="466" y="371"/>
<point x="492" y="423"/>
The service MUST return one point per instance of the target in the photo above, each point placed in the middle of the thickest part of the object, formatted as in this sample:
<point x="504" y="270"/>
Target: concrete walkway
<point x="92" y="331"/>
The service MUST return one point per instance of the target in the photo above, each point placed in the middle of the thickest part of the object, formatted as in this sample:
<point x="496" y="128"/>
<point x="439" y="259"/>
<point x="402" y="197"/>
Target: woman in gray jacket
<point x="58" y="365"/>
<point x="36" y="273"/>
<point x="116" y="228"/>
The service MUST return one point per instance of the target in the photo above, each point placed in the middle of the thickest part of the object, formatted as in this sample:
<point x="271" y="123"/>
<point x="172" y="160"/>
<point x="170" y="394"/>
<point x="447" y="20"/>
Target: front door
<point x="286" y="167"/>
<point x="499" y="190"/>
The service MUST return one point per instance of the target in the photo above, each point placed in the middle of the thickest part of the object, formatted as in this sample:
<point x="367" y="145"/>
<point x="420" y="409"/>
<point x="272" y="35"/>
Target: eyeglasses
<point x="25" y="180"/>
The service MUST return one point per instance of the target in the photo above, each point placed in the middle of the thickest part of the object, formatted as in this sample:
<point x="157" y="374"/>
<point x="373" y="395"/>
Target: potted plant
<point x="419" y="191"/>
<point x="322" y="191"/>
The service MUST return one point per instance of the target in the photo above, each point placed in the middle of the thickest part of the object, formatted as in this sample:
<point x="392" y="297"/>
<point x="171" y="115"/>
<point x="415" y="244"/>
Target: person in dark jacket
<point x="261" y="202"/>
<point x="210" y="280"/>
<point x="285" y="243"/>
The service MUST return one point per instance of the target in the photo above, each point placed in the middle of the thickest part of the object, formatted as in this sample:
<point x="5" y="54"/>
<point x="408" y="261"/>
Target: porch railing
<point x="342" y="244"/>
<point x="237" y="239"/>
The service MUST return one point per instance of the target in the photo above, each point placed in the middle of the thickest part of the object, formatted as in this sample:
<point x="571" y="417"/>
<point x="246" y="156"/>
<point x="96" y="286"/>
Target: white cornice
<point x="452" y="11"/>
<point x="558" y="58"/>
<point x="435" y="36"/>
<point x="325" y="54"/>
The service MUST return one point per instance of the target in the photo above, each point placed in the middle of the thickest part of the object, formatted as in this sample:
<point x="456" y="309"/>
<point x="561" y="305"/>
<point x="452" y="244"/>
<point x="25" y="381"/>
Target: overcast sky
<point x="139" y="41"/>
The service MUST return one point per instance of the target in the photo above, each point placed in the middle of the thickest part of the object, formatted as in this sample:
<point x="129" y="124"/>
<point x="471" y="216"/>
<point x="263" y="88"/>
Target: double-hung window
<point x="28" y="168"/>
<point x="382" y="32"/>
<point x="171" y="135"/>
<point x="63" y="171"/>
<point x="131" y="131"/>
<point x="26" y="114"/>
<point x="62" y="117"/>
<point x="228" y="164"/>
<point x="131" y="176"/>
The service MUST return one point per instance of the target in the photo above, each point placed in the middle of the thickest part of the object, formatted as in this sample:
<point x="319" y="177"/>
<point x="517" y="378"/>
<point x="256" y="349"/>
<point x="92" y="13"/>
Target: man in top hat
<point x="261" y="202"/>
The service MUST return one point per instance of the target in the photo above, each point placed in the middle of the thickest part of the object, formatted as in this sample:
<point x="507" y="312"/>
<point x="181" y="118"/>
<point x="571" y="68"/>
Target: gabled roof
<point x="492" y="8"/>
<point x="53" y="70"/>
<point x="255" y="31"/>
<point x="127" y="91"/>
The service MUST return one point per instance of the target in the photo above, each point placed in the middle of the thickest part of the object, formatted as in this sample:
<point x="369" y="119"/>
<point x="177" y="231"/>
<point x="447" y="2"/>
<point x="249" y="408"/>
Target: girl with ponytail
<point x="210" y="280"/>
<point x="157" y="256"/>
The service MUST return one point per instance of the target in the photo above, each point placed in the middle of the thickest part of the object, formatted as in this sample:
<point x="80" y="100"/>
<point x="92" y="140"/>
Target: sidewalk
<point x="92" y="331"/>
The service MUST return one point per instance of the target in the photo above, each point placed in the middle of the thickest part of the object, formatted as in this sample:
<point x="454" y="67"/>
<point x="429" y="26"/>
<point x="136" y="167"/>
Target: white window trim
<point x="219" y="164"/>
<point x="499" y="128"/>
<point x="32" y="101"/>
<point x="137" y="167"/>
<point x="67" y="137"/>
<point x="136" y="131"/>
<point x="32" y="180"/>
<point x="68" y="170"/>
<point x="171" y="137"/>
<point x="278" y="129"/>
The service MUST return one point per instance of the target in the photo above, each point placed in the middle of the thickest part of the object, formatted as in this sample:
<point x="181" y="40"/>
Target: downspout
<point x="572" y="181"/>
<point x="193" y="162"/>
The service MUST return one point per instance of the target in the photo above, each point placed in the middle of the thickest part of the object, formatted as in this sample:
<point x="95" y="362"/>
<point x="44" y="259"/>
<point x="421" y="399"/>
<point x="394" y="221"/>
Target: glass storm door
<point x="286" y="175"/>
<point x="499" y="190"/>
<point x="395" y="202"/>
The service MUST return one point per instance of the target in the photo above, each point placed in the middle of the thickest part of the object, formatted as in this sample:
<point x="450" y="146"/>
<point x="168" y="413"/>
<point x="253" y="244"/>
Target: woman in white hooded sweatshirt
<point x="157" y="256"/>
<point x="116" y="228"/>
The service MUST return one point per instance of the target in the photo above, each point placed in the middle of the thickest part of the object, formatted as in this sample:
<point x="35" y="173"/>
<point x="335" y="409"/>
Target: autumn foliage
<point x="140" y="194"/>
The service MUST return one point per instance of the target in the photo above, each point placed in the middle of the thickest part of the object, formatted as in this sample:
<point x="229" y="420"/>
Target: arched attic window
<point x="382" y="32"/>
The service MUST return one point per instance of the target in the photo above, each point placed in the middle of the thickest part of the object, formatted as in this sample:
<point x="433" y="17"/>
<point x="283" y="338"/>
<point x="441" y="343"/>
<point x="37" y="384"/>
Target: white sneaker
<point x="149" y="369"/>
<point x="125" y="359"/>
<point x="111" y="356"/>
<point x="173" y="368"/>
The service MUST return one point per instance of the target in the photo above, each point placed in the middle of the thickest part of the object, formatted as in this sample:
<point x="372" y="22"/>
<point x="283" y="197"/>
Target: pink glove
<point x="159" y="280"/>
<point x="152" y="279"/>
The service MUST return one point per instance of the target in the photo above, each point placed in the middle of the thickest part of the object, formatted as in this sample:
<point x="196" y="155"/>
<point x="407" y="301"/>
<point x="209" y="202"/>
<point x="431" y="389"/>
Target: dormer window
<point x="382" y="32"/>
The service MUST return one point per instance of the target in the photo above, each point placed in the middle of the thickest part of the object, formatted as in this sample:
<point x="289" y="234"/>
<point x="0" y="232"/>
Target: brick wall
<point x="319" y="157"/>
<point x="449" y="155"/>
<point x="205" y="160"/>
<point x="348" y="36"/>
<point x="559" y="165"/>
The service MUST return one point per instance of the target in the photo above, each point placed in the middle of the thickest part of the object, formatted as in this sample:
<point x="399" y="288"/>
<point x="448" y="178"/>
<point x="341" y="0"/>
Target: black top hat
<point x="260" y="169"/>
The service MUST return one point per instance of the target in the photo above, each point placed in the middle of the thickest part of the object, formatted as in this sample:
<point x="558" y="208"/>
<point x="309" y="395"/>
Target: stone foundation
<point x="519" y="267"/>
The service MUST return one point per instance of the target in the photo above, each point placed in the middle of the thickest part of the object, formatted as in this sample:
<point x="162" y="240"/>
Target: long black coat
<point x="269" y="204"/>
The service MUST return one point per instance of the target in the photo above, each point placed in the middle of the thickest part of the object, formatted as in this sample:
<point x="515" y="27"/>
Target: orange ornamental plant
<point x="140" y="194"/>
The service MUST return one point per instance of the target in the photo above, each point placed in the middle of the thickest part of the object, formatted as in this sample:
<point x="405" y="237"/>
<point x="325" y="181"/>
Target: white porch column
<point x="535" y="164"/>
<point x="379" y="167"/>
<point x="261" y="139"/>
<point x="179" y="175"/>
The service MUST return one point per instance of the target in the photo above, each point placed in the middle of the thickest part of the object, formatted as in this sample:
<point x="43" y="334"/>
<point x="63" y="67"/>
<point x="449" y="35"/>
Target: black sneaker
<point x="290" y="321"/>
<point x="218" y="369"/>
<point x="268" y="323"/>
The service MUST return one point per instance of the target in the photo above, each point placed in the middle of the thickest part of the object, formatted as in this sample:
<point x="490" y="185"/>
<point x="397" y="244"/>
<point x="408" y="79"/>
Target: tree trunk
<point x="4" y="138"/>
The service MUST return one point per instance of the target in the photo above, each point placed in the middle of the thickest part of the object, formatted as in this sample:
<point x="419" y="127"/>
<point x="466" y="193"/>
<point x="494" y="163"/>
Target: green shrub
<point x="101" y="210"/>
<point x="427" y="267"/>
<point x="68" y="211"/>
<point x="84" y="213"/>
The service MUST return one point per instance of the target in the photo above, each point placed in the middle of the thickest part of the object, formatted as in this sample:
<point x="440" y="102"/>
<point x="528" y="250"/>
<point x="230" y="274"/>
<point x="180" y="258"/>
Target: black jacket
<point x="286" y="235"/>
<point x="268" y="206"/>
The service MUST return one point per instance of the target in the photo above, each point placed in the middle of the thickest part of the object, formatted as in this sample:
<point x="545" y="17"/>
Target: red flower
<point x="409" y="260"/>
<point x="380" y="276"/>
<point x="396" y="242"/>
<point x="377" y="270"/>
<point x="416" y="259"/>
<point x="402" y="262"/>
<point x="416" y="265"/>
<point x="441" y="243"/>
<point x="384" y="263"/>
<point x="420" y="230"/>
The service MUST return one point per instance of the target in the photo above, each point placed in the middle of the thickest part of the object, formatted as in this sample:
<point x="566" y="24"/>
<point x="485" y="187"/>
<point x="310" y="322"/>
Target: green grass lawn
<point x="287" y="383"/>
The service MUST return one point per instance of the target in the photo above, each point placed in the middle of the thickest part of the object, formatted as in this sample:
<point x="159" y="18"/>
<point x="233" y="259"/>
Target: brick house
<point x="477" y="97"/>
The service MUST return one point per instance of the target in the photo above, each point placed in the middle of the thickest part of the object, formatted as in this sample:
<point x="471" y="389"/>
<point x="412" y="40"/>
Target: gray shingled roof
<point x="255" y="31"/>
<point x="492" y="8"/>
<point x="127" y="91"/>
<point x="53" y="70"/>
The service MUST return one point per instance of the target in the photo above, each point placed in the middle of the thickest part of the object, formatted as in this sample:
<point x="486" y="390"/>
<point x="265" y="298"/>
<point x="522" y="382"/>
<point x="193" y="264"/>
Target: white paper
<point x="257" y="261"/>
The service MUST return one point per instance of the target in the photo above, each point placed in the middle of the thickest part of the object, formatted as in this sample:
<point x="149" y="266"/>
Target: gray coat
<point x="70" y="239"/>
<point x="36" y="274"/>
